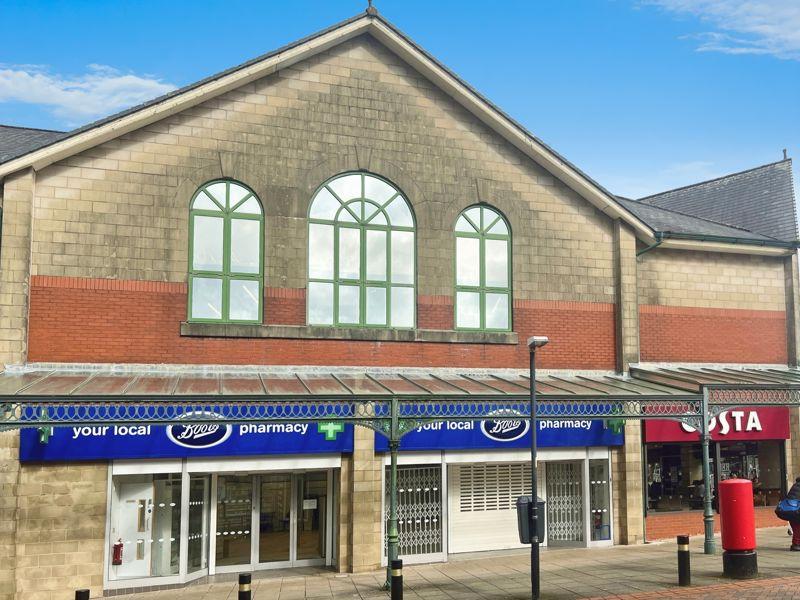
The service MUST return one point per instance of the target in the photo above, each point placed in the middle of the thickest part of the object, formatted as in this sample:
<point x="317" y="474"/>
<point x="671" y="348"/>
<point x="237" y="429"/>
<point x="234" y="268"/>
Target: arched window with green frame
<point x="361" y="254"/>
<point x="226" y="254"/>
<point x="483" y="270"/>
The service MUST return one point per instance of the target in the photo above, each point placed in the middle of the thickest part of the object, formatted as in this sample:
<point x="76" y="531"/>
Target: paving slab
<point x="645" y="572"/>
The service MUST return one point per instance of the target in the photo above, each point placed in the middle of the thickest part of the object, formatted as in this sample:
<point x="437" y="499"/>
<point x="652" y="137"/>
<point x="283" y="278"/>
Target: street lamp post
<point x="534" y="342"/>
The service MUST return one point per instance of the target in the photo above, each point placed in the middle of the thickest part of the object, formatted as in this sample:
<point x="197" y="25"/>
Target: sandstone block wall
<point x="707" y="307"/>
<point x="60" y="533"/>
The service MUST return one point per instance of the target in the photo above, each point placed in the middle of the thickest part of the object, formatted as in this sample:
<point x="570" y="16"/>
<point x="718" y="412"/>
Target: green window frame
<point x="226" y="254"/>
<point x="361" y="254"/>
<point x="483" y="299"/>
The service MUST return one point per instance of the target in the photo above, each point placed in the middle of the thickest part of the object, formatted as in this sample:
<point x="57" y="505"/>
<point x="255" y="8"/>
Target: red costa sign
<point x="737" y="424"/>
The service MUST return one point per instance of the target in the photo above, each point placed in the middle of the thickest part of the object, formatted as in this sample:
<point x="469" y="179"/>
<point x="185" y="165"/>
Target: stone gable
<point x="120" y="210"/>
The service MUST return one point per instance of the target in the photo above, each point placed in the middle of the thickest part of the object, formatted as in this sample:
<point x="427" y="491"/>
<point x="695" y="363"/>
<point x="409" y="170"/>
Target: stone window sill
<point x="307" y="332"/>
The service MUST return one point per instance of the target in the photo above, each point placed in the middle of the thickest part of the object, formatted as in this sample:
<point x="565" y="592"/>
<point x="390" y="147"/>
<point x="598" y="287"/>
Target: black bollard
<point x="397" y="579"/>
<point x="684" y="565"/>
<point x="244" y="586"/>
<point x="81" y="594"/>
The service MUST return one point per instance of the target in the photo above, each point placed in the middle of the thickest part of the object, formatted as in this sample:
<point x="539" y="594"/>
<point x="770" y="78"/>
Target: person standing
<point x="794" y="494"/>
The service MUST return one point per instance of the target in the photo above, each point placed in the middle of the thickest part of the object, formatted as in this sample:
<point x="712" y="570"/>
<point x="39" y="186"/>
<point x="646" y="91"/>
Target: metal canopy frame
<point x="391" y="403"/>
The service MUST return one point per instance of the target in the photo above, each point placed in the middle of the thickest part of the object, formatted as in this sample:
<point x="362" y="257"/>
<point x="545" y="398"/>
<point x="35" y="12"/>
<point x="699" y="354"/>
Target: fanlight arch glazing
<point x="361" y="254"/>
<point x="483" y="270"/>
<point x="226" y="249"/>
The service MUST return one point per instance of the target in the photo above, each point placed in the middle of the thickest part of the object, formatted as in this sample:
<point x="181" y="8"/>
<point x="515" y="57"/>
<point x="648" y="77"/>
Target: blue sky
<point x="643" y="95"/>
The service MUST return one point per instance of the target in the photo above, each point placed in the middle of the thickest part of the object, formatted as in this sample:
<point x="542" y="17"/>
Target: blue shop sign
<point x="506" y="433"/>
<point x="185" y="440"/>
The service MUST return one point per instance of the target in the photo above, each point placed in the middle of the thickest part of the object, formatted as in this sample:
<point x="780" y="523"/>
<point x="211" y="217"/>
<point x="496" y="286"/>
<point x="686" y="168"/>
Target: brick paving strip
<point x="786" y="588"/>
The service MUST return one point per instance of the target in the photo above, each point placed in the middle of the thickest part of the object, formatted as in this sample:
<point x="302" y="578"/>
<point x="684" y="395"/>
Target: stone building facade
<point x="96" y="251"/>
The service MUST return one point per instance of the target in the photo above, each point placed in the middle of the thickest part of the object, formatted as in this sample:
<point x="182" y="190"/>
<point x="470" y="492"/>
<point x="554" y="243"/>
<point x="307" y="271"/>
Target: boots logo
<point x="199" y="435"/>
<point x="505" y="430"/>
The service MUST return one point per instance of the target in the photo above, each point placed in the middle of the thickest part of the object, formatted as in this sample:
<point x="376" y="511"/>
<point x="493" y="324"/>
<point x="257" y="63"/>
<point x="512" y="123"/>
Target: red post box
<point x="738" y="524"/>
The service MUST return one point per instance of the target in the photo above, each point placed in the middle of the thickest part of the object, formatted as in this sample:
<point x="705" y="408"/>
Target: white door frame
<point x="255" y="526"/>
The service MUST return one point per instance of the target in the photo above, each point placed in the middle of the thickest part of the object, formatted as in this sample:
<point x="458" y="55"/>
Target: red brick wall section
<point x="99" y="320"/>
<point x="667" y="525"/>
<point x="435" y="312"/>
<point x="285" y="306"/>
<point x="680" y="334"/>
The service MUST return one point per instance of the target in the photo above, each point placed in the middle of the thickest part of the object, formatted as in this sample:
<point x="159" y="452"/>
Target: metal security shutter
<point x="419" y="512"/>
<point x="482" y="503"/>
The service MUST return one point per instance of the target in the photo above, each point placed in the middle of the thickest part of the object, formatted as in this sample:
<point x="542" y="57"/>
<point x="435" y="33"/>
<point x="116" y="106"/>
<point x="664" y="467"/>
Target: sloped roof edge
<point x="760" y="199"/>
<point x="712" y="180"/>
<point x="135" y="117"/>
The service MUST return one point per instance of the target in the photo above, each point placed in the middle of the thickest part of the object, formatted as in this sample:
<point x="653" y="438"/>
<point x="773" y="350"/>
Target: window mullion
<point x="336" y="230"/>
<point x="482" y="278"/>
<point x="362" y="267"/>
<point x="226" y="262"/>
<point x="389" y="271"/>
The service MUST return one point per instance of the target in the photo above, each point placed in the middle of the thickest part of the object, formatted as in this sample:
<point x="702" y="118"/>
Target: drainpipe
<point x="659" y="241"/>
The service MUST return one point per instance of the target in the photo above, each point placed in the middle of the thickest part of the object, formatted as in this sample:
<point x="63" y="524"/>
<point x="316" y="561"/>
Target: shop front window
<point x="675" y="472"/>
<point x="599" y="500"/>
<point x="199" y="487"/>
<point x="674" y="477"/>
<point x="234" y="515"/>
<point x="145" y="526"/>
<point x="760" y="462"/>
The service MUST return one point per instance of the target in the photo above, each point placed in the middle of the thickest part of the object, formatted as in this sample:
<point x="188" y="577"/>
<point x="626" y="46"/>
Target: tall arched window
<point x="483" y="270"/>
<point x="226" y="249"/>
<point x="360" y="254"/>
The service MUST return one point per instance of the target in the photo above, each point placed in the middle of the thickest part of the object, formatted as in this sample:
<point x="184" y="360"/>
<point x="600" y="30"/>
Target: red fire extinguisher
<point x="116" y="553"/>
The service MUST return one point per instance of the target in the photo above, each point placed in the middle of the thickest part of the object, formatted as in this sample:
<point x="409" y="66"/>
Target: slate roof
<point x="16" y="141"/>
<point x="760" y="200"/>
<point x="665" y="220"/>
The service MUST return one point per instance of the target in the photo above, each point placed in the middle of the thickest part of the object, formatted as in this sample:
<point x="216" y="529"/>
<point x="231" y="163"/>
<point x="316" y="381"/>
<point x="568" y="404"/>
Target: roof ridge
<point x="707" y="220"/>
<point x="712" y="180"/>
<point x="32" y="128"/>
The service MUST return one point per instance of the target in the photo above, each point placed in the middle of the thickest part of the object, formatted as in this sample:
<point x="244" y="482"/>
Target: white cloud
<point x="101" y="91"/>
<point x="769" y="27"/>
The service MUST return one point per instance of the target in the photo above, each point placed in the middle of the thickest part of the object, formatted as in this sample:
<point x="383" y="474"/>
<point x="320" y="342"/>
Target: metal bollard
<point x="397" y="579"/>
<point x="684" y="565"/>
<point x="81" y="594"/>
<point x="244" y="586"/>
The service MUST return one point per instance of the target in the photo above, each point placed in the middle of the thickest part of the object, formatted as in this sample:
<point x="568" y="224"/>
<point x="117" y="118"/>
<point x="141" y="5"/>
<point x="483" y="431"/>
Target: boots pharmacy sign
<point x="185" y="440"/>
<point x="502" y="432"/>
<point x="738" y="424"/>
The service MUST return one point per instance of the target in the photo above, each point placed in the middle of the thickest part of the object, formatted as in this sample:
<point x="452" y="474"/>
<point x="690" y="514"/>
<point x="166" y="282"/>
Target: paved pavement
<point x="785" y="588"/>
<point x="630" y="572"/>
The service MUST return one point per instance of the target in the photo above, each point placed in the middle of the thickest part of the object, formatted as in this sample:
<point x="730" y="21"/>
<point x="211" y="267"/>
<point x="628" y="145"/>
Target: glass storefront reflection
<point x="275" y="518"/>
<point x="234" y="518"/>
<point x="199" y="490"/>
<point x="599" y="499"/>
<point x="311" y="510"/>
<point x="263" y="519"/>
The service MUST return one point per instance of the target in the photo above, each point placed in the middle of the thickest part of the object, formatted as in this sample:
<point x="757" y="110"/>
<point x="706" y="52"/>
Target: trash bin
<point x="524" y="517"/>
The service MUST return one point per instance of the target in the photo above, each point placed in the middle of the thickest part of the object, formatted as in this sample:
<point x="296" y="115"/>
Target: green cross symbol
<point x="330" y="429"/>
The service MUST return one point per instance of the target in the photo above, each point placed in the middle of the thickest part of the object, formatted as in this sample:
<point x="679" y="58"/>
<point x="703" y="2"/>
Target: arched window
<point x="226" y="249"/>
<point x="360" y="254"/>
<point x="483" y="270"/>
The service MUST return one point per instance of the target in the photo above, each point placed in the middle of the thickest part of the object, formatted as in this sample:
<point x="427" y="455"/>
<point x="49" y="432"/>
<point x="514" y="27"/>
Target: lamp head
<point x="537" y="341"/>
